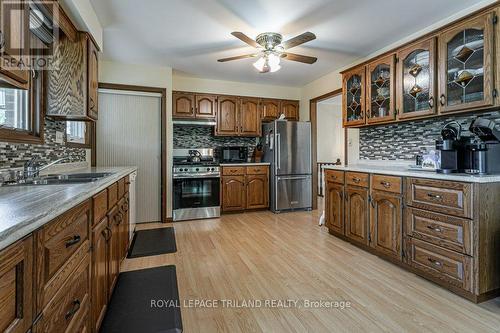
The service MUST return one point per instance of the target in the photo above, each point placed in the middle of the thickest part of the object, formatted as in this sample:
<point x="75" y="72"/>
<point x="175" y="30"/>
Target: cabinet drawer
<point x="334" y="176"/>
<point x="257" y="170"/>
<point x="70" y="303"/>
<point x="450" y="267"/>
<point x="233" y="171"/>
<point x="356" y="179"/>
<point x="446" y="197"/>
<point x="450" y="232"/>
<point x="100" y="204"/>
<point x="387" y="183"/>
<point x="121" y="187"/>
<point x="112" y="195"/>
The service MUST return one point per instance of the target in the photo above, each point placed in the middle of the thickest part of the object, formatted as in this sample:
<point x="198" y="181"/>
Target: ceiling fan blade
<point x="300" y="39"/>
<point x="300" y="58"/>
<point x="239" y="57"/>
<point x="241" y="36"/>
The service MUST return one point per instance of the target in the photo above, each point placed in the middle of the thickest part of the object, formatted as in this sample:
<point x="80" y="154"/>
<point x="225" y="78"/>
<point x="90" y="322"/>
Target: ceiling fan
<point x="271" y="49"/>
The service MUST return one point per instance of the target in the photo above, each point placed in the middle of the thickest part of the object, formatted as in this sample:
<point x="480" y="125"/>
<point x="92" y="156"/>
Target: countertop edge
<point x="19" y="231"/>
<point x="245" y="164"/>
<point x="417" y="174"/>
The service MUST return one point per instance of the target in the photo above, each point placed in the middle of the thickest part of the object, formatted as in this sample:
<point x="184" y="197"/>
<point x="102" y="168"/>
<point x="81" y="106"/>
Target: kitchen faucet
<point x="31" y="170"/>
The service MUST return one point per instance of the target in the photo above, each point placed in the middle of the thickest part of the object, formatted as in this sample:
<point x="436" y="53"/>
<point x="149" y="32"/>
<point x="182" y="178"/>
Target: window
<point x="78" y="134"/>
<point x="21" y="117"/>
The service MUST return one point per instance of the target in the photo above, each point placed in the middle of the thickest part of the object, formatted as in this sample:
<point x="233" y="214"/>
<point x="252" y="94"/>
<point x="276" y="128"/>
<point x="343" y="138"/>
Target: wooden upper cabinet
<point x="227" y="116"/>
<point x="386" y="224"/>
<point x="270" y="109"/>
<point x="93" y="79"/>
<point x="466" y="79"/>
<point x="250" y="117"/>
<point x="380" y="89"/>
<point x="356" y="214"/>
<point x="353" y="97"/>
<point x="15" y="34"/>
<point x="16" y="287"/>
<point x="334" y="207"/>
<point x="183" y="105"/>
<point x="416" y="80"/>
<point x="206" y="106"/>
<point x="290" y="109"/>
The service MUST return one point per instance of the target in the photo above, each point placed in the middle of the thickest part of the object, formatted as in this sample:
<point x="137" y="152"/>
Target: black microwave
<point x="237" y="154"/>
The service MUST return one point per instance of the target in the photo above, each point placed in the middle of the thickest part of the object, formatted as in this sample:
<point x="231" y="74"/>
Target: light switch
<point x="59" y="137"/>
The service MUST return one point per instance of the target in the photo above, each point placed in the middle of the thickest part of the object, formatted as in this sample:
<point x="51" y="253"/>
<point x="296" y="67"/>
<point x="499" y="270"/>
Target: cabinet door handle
<point x="434" y="228"/>
<point x="431" y="102"/>
<point x="368" y="113"/>
<point x="74" y="309"/>
<point x="356" y="180"/>
<point x="372" y="202"/>
<point x="435" y="262"/>
<point x="74" y="240"/>
<point x="442" y="100"/>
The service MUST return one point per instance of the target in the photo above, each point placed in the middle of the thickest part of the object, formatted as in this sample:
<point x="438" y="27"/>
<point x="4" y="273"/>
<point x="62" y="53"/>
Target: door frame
<point x="313" y="117"/>
<point x="163" y="145"/>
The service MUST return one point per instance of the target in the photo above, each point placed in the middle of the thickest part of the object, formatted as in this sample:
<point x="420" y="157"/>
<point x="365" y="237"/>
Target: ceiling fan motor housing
<point x="269" y="40"/>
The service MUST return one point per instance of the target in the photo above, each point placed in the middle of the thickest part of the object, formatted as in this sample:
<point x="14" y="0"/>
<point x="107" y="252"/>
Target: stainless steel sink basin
<point x="61" y="179"/>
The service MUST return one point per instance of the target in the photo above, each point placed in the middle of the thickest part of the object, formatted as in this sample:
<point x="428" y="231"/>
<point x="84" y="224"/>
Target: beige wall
<point x="184" y="83"/>
<point x="149" y="76"/>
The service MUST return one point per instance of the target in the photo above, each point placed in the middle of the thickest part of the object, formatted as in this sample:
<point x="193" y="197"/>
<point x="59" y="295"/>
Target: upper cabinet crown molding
<point x="449" y="70"/>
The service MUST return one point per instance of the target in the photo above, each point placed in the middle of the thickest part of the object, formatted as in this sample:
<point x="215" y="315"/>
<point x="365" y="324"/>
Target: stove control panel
<point x="196" y="171"/>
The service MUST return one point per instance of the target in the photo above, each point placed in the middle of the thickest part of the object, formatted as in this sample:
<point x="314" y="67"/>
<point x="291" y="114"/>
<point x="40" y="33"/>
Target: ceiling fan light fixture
<point x="268" y="63"/>
<point x="259" y="64"/>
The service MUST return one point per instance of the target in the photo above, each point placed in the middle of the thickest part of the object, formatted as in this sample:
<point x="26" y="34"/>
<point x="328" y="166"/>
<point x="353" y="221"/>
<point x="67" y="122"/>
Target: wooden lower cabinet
<point x="386" y="224"/>
<point x="233" y="193"/>
<point x="16" y="287"/>
<point x="334" y="207"/>
<point x="100" y="263"/>
<point x="113" y="248"/>
<point x="257" y="191"/>
<point x="356" y="214"/>
<point x="244" y="187"/>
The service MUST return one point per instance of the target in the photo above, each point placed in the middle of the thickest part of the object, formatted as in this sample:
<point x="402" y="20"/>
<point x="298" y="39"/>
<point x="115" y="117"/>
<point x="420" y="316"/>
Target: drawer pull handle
<point x="74" y="240"/>
<point x="434" y="196"/>
<point x="385" y="184"/>
<point x="435" y="262"/>
<point x="434" y="228"/>
<point x="356" y="180"/>
<point x="74" y="309"/>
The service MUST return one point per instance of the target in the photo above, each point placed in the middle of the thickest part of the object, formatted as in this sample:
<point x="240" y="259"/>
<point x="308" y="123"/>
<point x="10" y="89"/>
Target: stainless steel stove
<point x="196" y="184"/>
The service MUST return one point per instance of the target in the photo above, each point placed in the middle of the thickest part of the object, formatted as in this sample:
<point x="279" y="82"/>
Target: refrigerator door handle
<point x="294" y="178"/>
<point x="278" y="151"/>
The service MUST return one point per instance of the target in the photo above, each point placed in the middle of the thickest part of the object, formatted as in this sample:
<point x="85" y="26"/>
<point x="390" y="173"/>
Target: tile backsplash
<point x="404" y="140"/>
<point x="13" y="155"/>
<point x="186" y="136"/>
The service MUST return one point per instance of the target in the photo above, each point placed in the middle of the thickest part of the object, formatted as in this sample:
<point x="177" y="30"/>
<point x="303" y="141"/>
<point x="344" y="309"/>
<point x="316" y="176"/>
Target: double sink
<point x="61" y="179"/>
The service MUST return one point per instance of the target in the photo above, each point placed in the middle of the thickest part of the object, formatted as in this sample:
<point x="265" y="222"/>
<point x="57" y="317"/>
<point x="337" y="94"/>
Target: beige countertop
<point x="23" y="209"/>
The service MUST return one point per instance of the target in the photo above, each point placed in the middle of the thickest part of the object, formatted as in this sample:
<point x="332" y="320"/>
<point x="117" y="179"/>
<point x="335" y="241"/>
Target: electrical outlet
<point x="59" y="137"/>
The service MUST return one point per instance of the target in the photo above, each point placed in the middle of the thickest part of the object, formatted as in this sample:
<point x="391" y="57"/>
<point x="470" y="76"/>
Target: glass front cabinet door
<point x="354" y="97"/>
<point x="416" y="80"/>
<point x="380" y="88"/>
<point x="466" y="71"/>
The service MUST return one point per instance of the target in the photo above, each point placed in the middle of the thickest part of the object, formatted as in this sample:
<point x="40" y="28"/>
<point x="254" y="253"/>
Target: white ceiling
<point x="190" y="35"/>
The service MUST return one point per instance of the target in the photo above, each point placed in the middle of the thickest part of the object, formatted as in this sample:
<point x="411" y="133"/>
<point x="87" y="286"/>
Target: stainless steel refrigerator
<point x="287" y="146"/>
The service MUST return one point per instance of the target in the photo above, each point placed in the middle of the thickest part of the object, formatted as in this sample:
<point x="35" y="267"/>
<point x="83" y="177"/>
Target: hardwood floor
<point x="261" y="256"/>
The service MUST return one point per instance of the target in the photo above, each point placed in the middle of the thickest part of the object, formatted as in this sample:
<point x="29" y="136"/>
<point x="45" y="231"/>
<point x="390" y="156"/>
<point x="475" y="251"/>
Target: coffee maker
<point x="477" y="153"/>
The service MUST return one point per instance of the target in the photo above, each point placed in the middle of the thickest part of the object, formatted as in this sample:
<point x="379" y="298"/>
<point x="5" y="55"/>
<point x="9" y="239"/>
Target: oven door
<point x="196" y="192"/>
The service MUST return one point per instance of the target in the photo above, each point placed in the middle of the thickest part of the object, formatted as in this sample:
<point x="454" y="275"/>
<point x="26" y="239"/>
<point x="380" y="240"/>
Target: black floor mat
<point x="145" y="301"/>
<point x="153" y="242"/>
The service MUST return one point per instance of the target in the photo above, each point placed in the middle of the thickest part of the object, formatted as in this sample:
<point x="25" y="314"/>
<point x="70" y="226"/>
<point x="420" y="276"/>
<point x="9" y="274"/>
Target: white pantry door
<point x="129" y="133"/>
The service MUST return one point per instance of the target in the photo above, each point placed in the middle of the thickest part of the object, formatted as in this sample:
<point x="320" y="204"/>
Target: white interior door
<point x="128" y="133"/>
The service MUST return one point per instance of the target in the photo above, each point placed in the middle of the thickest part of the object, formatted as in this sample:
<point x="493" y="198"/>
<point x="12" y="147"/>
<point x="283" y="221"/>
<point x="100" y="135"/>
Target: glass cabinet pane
<point x="353" y="98"/>
<point x="380" y="101"/>
<point x="465" y="67"/>
<point x="416" y="81"/>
